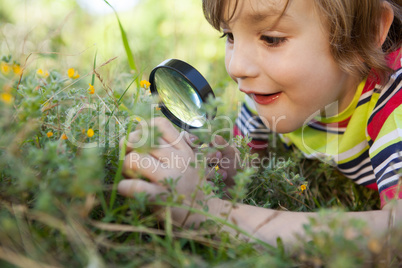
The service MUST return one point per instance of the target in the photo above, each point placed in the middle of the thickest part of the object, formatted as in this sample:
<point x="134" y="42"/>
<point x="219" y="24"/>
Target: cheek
<point x="305" y="71"/>
<point x="303" y="60"/>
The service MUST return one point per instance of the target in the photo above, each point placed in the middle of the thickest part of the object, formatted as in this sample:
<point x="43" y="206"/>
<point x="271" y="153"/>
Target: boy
<point x="316" y="64"/>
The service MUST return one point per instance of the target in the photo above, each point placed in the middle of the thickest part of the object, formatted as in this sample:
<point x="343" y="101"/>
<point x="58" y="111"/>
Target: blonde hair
<point x="353" y="27"/>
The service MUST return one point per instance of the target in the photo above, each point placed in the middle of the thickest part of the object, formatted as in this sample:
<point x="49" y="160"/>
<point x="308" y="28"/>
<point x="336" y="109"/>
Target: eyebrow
<point x="257" y="17"/>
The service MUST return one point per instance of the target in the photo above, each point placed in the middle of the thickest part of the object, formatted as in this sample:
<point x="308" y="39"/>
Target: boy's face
<point x="289" y="59"/>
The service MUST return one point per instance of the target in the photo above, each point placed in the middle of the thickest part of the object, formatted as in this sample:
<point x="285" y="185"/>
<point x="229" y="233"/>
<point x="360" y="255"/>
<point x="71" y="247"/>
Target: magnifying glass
<point x="182" y="92"/>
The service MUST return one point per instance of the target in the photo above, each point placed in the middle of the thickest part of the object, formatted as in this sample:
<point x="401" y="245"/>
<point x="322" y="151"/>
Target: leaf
<point x="124" y="38"/>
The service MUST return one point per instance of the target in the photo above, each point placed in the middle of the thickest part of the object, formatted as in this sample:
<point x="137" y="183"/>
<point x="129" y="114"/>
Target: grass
<point x="59" y="206"/>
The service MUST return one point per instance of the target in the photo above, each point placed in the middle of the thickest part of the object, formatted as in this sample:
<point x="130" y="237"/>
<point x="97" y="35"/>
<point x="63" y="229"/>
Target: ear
<point x="387" y="17"/>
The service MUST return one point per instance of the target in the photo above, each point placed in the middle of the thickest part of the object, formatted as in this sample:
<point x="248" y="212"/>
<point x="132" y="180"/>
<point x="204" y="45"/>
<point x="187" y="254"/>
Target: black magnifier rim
<point x="192" y="77"/>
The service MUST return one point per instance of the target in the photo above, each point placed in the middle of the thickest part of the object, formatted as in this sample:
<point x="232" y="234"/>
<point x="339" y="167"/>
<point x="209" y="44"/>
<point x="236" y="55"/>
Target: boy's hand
<point x="230" y="159"/>
<point x="170" y="159"/>
<point x="226" y="158"/>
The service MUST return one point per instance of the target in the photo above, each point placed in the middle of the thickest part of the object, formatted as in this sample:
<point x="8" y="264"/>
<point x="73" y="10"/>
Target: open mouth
<point x="266" y="98"/>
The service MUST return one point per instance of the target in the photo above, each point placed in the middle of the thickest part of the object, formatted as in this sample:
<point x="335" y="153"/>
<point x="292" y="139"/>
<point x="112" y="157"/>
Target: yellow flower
<point x="5" y="67"/>
<point x="64" y="136"/>
<point x="83" y="131"/>
<point x="138" y="119"/>
<point x="42" y="73"/>
<point x="158" y="108"/>
<point x="49" y="134"/>
<point x="144" y="84"/>
<point x="72" y="73"/>
<point x="216" y="168"/>
<point x="17" y="69"/>
<point x="303" y="187"/>
<point x="91" y="89"/>
<point x="90" y="132"/>
<point x="6" y="98"/>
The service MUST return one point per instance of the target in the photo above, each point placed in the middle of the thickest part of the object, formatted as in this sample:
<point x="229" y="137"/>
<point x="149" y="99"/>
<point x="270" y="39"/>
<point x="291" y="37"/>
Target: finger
<point x="170" y="134"/>
<point x="139" y="138"/>
<point x="219" y="142"/>
<point x="221" y="145"/>
<point x="213" y="158"/>
<point x="145" y="165"/>
<point x="129" y="187"/>
<point x="225" y="147"/>
<point x="134" y="140"/>
<point x="191" y="139"/>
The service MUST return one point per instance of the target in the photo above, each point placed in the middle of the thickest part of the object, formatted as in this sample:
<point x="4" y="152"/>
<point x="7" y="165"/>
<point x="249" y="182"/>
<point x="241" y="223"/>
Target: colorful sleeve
<point x="249" y="123"/>
<point x="385" y="132"/>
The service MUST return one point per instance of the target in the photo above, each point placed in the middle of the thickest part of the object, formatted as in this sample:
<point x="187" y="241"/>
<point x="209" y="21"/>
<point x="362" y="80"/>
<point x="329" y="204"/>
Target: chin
<point x="284" y="126"/>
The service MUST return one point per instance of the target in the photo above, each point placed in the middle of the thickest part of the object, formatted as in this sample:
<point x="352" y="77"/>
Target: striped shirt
<point x="364" y="141"/>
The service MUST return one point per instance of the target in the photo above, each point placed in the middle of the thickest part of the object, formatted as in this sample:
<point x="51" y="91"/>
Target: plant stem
<point x="117" y="177"/>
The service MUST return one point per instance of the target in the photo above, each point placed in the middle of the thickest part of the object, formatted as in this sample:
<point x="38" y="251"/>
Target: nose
<point x="241" y="61"/>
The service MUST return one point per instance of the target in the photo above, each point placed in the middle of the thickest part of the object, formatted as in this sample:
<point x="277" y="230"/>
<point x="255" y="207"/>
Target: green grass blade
<point x="118" y="175"/>
<point x="124" y="38"/>
<point x="93" y="75"/>
<point x="119" y="101"/>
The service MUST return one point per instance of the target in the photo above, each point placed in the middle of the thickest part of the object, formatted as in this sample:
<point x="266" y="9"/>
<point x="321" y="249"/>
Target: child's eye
<point x="229" y="37"/>
<point x="273" y="41"/>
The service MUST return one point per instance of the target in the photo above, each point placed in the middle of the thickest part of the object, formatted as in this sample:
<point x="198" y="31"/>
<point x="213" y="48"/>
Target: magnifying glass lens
<point x="180" y="97"/>
<point x="182" y="92"/>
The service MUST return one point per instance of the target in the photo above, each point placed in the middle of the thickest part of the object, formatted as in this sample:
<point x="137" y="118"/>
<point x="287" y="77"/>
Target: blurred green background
<point x="66" y="34"/>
